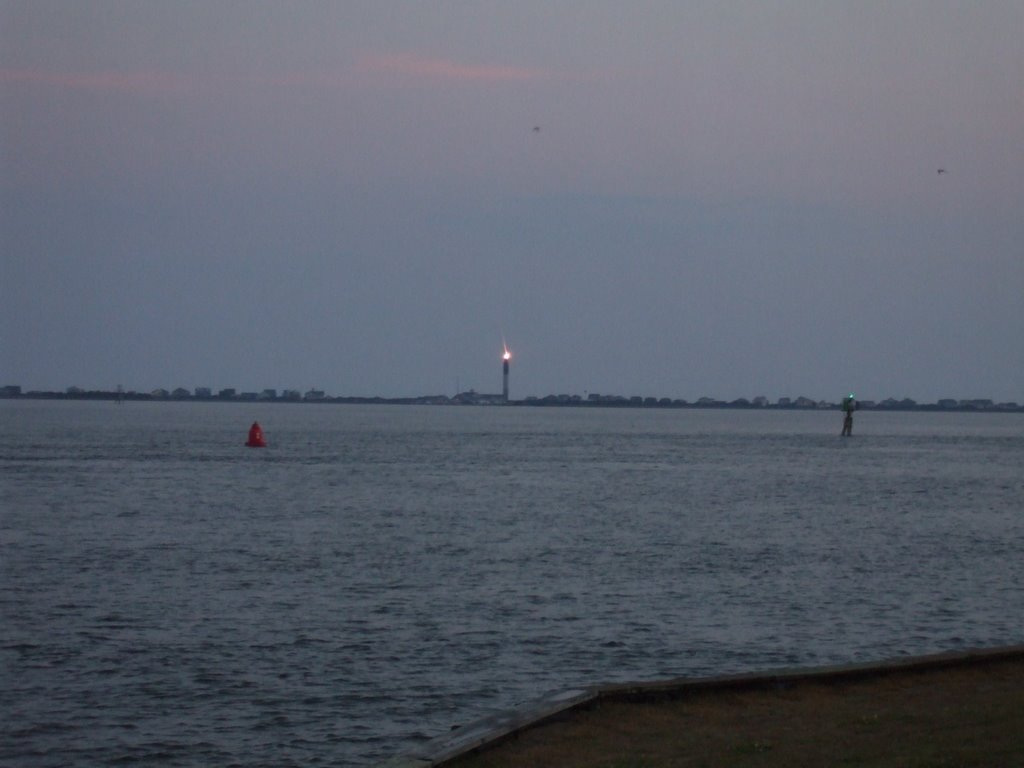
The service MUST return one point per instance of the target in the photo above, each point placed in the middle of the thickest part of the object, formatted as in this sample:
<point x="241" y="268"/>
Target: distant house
<point x="203" y="392"/>
<point x="10" y="391"/>
<point x="314" y="394"/>
<point x="709" y="402"/>
<point x="159" y="394"/>
<point x="181" y="394"/>
<point x="906" y="404"/>
<point x="472" y="397"/>
<point x="226" y="394"/>
<point x="268" y="394"/>
<point x="978" y="405"/>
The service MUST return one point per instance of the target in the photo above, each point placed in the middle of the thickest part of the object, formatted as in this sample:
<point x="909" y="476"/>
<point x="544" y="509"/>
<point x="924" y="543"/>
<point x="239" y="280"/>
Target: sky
<point x="723" y="199"/>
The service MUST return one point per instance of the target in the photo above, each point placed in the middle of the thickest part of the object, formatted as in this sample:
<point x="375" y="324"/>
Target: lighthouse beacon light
<point x="505" y="357"/>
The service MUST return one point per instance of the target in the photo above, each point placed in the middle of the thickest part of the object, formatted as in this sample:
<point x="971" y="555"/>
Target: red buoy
<point x="256" y="439"/>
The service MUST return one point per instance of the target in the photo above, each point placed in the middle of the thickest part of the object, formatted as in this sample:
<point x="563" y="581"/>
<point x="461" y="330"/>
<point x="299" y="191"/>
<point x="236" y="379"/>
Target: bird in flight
<point x="536" y="129"/>
<point x="942" y="171"/>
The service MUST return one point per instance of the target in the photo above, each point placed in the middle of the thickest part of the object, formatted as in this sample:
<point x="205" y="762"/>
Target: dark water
<point x="379" y="574"/>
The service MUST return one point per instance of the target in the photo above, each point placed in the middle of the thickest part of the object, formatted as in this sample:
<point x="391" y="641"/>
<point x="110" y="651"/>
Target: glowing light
<point x="507" y="354"/>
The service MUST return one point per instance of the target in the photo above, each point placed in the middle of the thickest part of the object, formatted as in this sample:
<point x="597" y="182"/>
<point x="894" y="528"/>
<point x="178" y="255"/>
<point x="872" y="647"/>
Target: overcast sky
<point x="664" y="199"/>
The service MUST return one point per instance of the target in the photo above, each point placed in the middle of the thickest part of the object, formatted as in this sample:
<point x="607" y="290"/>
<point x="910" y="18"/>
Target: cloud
<point x="391" y="65"/>
<point x="412" y="66"/>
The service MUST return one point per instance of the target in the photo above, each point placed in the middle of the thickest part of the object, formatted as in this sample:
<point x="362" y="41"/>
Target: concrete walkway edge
<point x="495" y="728"/>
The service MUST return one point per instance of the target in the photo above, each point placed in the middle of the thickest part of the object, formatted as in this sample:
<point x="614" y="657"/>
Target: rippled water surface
<point x="380" y="574"/>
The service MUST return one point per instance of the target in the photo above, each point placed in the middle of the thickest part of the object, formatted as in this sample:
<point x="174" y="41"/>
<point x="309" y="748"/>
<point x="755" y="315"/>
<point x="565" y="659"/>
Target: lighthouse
<point x="504" y="374"/>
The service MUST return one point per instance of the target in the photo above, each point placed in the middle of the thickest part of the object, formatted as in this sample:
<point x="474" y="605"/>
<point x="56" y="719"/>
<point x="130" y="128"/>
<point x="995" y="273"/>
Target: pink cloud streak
<point x="393" y="65"/>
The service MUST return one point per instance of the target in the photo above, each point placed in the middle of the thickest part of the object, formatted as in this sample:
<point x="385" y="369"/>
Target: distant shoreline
<point x="476" y="399"/>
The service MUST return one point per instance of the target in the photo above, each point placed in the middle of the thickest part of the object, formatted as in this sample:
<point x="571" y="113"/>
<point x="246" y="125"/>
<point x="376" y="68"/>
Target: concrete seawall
<point x="494" y="729"/>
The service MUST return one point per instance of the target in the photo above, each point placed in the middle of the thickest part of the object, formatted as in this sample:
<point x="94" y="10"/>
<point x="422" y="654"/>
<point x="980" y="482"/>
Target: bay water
<point x="380" y="574"/>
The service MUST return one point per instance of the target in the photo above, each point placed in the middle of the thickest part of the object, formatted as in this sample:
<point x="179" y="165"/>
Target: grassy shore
<point x="965" y="714"/>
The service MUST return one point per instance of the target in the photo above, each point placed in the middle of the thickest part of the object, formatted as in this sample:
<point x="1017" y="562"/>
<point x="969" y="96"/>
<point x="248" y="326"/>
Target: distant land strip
<point x="471" y="397"/>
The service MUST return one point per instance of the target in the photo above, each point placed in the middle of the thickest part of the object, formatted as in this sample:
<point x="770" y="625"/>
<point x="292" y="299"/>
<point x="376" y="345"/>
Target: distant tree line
<point x="204" y="394"/>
